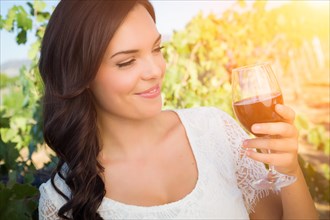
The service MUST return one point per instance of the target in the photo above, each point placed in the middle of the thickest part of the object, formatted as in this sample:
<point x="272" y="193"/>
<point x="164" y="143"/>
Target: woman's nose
<point x="154" y="67"/>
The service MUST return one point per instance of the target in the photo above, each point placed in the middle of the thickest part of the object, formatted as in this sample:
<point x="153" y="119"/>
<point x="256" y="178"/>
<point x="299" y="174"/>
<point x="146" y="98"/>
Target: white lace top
<point x="223" y="189"/>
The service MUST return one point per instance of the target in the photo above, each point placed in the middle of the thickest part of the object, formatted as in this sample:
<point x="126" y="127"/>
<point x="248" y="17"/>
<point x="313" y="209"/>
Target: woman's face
<point x="128" y="82"/>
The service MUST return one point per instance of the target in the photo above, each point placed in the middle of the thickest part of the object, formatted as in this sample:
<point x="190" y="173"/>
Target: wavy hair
<point x="72" y="49"/>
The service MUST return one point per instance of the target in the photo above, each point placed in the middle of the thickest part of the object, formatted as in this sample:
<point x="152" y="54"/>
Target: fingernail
<point x="256" y="127"/>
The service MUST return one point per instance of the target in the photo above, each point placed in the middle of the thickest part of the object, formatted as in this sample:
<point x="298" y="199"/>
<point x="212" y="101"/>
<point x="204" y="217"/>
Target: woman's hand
<point x="282" y="140"/>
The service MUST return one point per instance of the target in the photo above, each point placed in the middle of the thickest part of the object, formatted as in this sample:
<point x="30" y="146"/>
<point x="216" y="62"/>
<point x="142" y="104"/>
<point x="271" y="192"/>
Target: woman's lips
<point x="153" y="92"/>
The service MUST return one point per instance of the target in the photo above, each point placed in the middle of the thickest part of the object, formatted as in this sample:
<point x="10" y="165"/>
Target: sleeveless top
<point x="223" y="189"/>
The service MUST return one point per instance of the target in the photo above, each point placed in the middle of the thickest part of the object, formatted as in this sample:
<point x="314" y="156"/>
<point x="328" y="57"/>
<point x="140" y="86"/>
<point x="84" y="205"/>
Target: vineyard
<point x="293" y="37"/>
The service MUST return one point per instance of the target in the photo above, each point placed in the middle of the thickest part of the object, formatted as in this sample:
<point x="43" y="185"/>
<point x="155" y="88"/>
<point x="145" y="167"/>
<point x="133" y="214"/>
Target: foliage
<point x="18" y="197"/>
<point x="200" y="59"/>
<point x="318" y="182"/>
<point x="18" y="20"/>
<point x="314" y="134"/>
<point x="317" y="179"/>
<point x="318" y="138"/>
<point x="6" y="81"/>
<point x="20" y="115"/>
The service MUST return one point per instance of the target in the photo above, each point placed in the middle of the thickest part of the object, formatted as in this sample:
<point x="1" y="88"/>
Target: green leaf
<point x="40" y="32"/>
<point x="19" y="210"/>
<point x="12" y="178"/>
<point x="5" y="195"/>
<point x="4" y="121"/>
<point x="39" y="5"/>
<point x="7" y="134"/>
<point x="23" y="20"/>
<point x="9" y="21"/>
<point x="28" y="178"/>
<point x="8" y="154"/>
<point x="43" y="16"/>
<point x="34" y="50"/>
<point x="31" y="8"/>
<point x="24" y="190"/>
<point x="17" y="202"/>
<point x="21" y="37"/>
<point x="19" y="122"/>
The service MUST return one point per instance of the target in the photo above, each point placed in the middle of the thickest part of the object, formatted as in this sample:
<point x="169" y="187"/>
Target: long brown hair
<point x="73" y="47"/>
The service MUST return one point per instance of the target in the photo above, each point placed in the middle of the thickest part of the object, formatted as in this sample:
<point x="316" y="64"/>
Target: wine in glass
<point x="255" y="93"/>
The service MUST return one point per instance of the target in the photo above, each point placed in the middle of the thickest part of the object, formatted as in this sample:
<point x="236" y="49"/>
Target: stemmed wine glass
<point x="255" y="93"/>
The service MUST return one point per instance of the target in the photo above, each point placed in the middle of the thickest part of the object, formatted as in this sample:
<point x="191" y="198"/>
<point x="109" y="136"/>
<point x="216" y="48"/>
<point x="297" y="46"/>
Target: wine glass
<point x="255" y="93"/>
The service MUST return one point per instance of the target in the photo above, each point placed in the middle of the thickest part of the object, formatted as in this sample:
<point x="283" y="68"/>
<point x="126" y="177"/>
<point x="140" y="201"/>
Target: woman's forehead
<point x="138" y="29"/>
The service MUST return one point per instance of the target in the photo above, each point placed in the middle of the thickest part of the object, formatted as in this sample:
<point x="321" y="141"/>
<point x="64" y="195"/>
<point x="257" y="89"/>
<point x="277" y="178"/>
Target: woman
<point x="121" y="156"/>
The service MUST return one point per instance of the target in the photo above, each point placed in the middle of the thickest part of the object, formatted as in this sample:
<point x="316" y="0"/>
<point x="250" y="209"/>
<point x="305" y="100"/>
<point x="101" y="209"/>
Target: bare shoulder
<point x="170" y="116"/>
<point x="171" y="122"/>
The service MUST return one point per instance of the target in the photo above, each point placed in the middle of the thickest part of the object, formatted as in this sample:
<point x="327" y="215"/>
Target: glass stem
<point x="271" y="166"/>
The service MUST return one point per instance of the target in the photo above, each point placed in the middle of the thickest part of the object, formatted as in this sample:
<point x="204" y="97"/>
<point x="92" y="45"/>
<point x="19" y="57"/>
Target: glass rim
<point x="250" y="66"/>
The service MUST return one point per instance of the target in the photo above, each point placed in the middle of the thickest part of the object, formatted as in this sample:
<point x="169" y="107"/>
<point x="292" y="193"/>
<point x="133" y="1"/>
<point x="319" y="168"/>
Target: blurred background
<point x="204" y="41"/>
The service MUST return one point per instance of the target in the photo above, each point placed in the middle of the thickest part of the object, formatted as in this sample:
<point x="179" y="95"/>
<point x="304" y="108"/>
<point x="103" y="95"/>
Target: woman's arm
<point x="293" y="201"/>
<point x="297" y="202"/>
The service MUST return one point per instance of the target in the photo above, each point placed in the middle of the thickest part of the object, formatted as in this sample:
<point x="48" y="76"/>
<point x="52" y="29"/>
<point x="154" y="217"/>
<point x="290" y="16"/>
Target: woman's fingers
<point x="275" y="128"/>
<point x="267" y="158"/>
<point x="277" y="145"/>
<point x="285" y="112"/>
<point x="281" y="138"/>
<point x="283" y="162"/>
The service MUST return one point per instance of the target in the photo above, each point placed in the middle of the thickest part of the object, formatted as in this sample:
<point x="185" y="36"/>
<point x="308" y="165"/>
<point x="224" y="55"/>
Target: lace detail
<point x="50" y="201"/>
<point x="47" y="209"/>
<point x="247" y="170"/>
<point x="223" y="189"/>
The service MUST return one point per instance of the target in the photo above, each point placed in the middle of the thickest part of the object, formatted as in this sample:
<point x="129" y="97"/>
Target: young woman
<point x="121" y="156"/>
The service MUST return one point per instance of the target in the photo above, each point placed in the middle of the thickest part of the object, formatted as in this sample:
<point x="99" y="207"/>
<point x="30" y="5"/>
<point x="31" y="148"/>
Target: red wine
<point x="258" y="109"/>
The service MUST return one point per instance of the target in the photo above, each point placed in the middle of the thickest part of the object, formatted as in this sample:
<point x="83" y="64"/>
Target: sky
<point x="170" y="15"/>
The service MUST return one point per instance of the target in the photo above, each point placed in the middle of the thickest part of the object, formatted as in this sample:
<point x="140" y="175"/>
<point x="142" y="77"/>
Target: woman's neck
<point x="124" y="138"/>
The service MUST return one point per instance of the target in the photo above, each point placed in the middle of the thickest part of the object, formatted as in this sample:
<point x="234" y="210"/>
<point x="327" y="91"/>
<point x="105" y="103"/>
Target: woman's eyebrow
<point x="135" y="51"/>
<point x="124" y="52"/>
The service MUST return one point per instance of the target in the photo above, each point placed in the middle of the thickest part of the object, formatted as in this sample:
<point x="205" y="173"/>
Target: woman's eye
<point x="126" y="63"/>
<point x="158" y="49"/>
